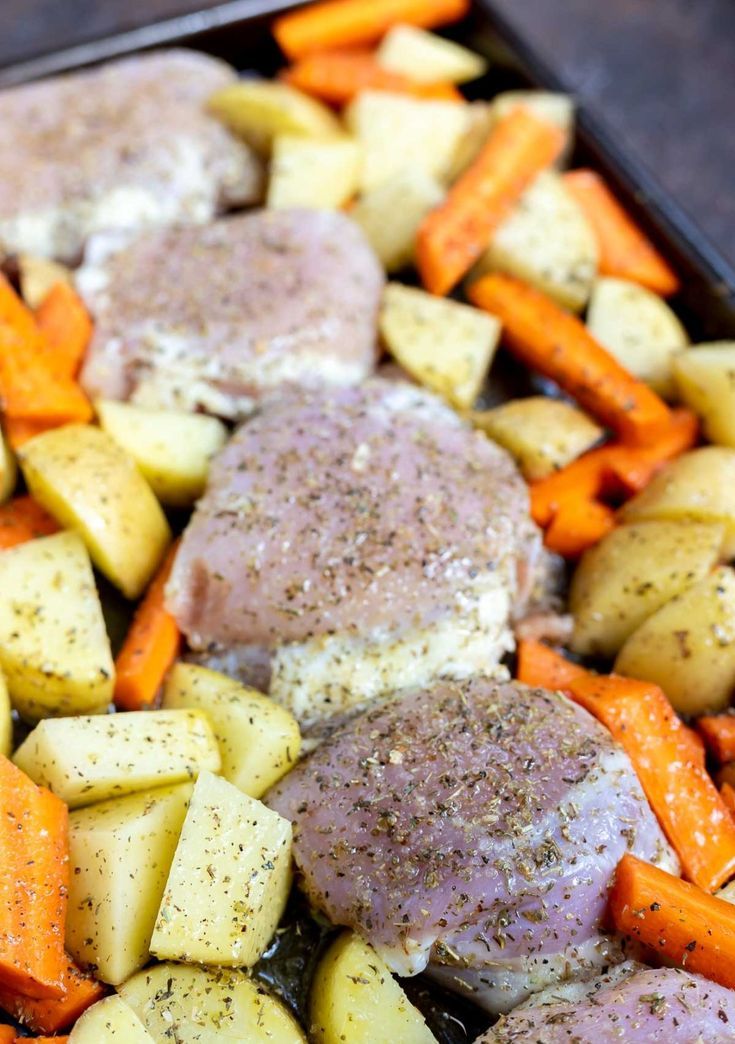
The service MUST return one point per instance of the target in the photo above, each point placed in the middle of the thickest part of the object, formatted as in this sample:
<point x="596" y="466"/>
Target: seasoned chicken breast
<point x="475" y="825"/>
<point x="213" y="317"/>
<point x="366" y="537"/>
<point x="125" y="145"/>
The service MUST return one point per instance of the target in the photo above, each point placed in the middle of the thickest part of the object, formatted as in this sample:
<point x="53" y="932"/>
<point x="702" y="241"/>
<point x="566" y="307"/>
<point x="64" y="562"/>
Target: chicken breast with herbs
<point x="364" y="539"/>
<point x="213" y="317"/>
<point x="473" y="827"/>
<point x="125" y="145"/>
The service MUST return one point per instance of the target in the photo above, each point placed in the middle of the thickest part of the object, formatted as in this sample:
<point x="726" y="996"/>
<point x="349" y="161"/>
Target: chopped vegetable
<point x="66" y="327"/>
<point x="8" y="470"/>
<point x="52" y="1015"/>
<point x="540" y="666"/>
<point x="705" y="379"/>
<point x="577" y="526"/>
<point x="19" y="431"/>
<point x="727" y="793"/>
<point x="718" y="731"/>
<point x="23" y="519"/>
<point x="308" y="172"/>
<point x="390" y="214"/>
<point x="38" y="275"/>
<point x="426" y="58"/>
<point x="258" y="110"/>
<point x="110" y="1021"/>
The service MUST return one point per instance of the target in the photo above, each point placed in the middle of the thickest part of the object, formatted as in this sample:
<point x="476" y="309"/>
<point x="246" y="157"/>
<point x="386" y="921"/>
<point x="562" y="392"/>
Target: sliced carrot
<point x="559" y="346"/>
<point x="151" y="646"/>
<point x="578" y="525"/>
<point x="625" y="251"/>
<point x="540" y="666"/>
<point x="23" y="519"/>
<point x="19" y="431"/>
<point x="336" y="77"/>
<point x="30" y="390"/>
<point x="677" y="920"/>
<point x="7" y="1035"/>
<point x="718" y="731"/>
<point x="33" y="885"/>
<point x="350" y="23"/>
<point x="727" y="793"/>
<point x="66" y="327"/>
<point x="453" y="235"/>
<point x="50" y="1016"/>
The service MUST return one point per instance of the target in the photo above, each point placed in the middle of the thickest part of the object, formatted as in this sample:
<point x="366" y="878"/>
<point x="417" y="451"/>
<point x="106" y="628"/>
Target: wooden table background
<point x="662" y="72"/>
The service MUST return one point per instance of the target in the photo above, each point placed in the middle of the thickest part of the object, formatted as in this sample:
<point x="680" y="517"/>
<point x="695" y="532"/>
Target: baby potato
<point x="390" y="214"/>
<point x="427" y="58"/>
<point x="258" y="110"/>
<point x="313" y="173"/>
<point x="688" y="646"/>
<point x="542" y="434"/>
<point x="705" y="377"/>
<point x="88" y="483"/>
<point x="699" y="485"/>
<point x="109" y="1021"/>
<point x="631" y="573"/>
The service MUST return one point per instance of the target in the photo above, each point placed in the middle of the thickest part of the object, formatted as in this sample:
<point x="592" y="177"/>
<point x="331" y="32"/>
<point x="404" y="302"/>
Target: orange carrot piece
<point x="625" y="251"/>
<point x="540" y="666"/>
<point x="66" y="326"/>
<point x="50" y="1016"/>
<point x="453" y="235"/>
<point x="19" y="431"/>
<point x="336" y="77"/>
<point x="578" y="525"/>
<point x="151" y="646"/>
<point x="33" y="885"/>
<point x="718" y="732"/>
<point x="350" y="23"/>
<point x="23" y="519"/>
<point x="559" y="346"/>
<point x="677" y="920"/>
<point x="727" y="793"/>
<point x="42" y="1040"/>
<point x="7" y="1035"/>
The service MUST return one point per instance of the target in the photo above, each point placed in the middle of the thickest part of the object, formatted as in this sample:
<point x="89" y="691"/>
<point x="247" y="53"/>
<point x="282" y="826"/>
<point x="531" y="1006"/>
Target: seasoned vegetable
<point x="110" y="1021"/>
<point x="390" y="214"/>
<point x="6" y="720"/>
<point x="8" y="470"/>
<point x="229" y="880"/>
<point x="259" y="740"/>
<point x="120" y="853"/>
<point x="54" y="648"/>
<point x="311" y="173"/>
<point x="66" y="328"/>
<point x="52" y="1014"/>
<point x="547" y="105"/>
<point x="258" y="110"/>
<point x="22" y="519"/>
<point x="84" y="760"/>
<point x="38" y="275"/>
<point x="88" y="483"/>
<point x="705" y="380"/>
<point x="427" y="58"/>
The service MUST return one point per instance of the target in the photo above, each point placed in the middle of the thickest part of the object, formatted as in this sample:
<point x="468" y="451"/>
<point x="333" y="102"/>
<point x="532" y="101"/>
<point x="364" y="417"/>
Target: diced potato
<point x="542" y="434"/>
<point x="355" y="998"/>
<point x="259" y="110"/>
<point x="639" y="329"/>
<point x="6" y="719"/>
<point x="172" y="449"/>
<point x="109" y="1021"/>
<point x="38" y="275"/>
<point x="705" y="378"/>
<point x="427" y="58"/>
<point x="54" y="648"/>
<point x="88" y="483"/>
<point x="390" y="214"/>
<point x="84" y="760"/>
<point x="208" y="1006"/>
<point x="311" y="173"/>
<point x="397" y="131"/>
<point x="444" y="345"/>
<point x="120" y="854"/>
<point x="259" y="740"/>
<point x="631" y="573"/>
<point x="547" y="105"/>
<point x="546" y="241"/>
<point x="480" y="122"/>
<point x="8" y="470"/>
<point x="699" y="485"/>
<point x="688" y="646"/>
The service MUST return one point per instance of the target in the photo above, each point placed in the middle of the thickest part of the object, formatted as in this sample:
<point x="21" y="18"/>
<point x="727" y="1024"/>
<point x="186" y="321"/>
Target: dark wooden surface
<point x="661" y="72"/>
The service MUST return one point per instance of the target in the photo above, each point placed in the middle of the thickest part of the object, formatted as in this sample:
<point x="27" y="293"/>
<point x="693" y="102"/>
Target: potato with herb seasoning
<point x="120" y="854"/>
<point x="305" y="172"/>
<point x="109" y="1021"/>
<point x="258" y="110"/>
<point x="705" y="379"/>
<point x="391" y="213"/>
<point x="84" y="760"/>
<point x="425" y="57"/>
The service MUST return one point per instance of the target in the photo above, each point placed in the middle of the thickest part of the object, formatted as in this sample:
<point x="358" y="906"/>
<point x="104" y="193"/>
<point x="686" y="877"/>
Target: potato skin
<point x="631" y="573"/>
<point x="705" y="378"/>
<point x="688" y="646"/>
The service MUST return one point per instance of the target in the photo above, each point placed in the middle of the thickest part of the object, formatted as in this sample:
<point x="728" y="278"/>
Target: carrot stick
<point x="336" y="77"/>
<point x="350" y="23"/>
<point x="65" y="326"/>
<point x="718" y="732"/>
<point x="577" y="525"/>
<point x="624" y="249"/>
<point x="453" y="235"/>
<point x="33" y="885"/>
<point x="559" y="346"/>
<point x="23" y="519"/>
<point x="151" y="646"/>
<point x="727" y="793"/>
<point x="677" y="920"/>
<point x="50" y="1016"/>
<point x="540" y="666"/>
<point x="7" y="1035"/>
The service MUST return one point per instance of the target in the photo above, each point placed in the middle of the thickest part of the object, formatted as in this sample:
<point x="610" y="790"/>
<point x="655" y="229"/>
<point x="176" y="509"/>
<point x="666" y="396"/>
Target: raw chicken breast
<point x="476" y="825"/>
<point x="365" y="536"/>
<point x="209" y="318"/>
<point x="126" y="145"/>
<point x="630" y="1005"/>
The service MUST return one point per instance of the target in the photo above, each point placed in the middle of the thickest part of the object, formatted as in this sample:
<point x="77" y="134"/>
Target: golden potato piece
<point x="424" y="57"/>
<point x="38" y="275"/>
<point x="109" y="1021"/>
<point x="705" y="378"/>
<point x="8" y="470"/>
<point x="480" y="121"/>
<point x="688" y="646"/>
<point x="631" y="573"/>
<point x="306" y="172"/>
<point x="390" y="214"/>
<point x="552" y="106"/>
<point x="259" y="110"/>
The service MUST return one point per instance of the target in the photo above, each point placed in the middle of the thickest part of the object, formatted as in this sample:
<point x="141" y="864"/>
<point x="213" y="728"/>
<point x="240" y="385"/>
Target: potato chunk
<point x="172" y="449"/>
<point x="54" y="648"/>
<point x="84" y="760"/>
<point x="542" y="434"/>
<point x="6" y="720"/>
<point x="259" y="740"/>
<point x="229" y="881"/>
<point x="8" y="470"/>
<point x="639" y="329"/>
<point x="688" y="646"/>
<point x="631" y="573"/>
<point x="310" y="173"/>
<point x="424" y="57"/>
<point x="259" y="110"/>
<point x="699" y="485"/>
<point x="88" y="483"/>
<point x="705" y="378"/>
<point x="38" y="275"/>
<point x="390" y="214"/>
<point x="355" y="998"/>
<point x="120" y="854"/>
<point x="110" y="1021"/>
<point x="202" y="1006"/>
<point x="444" y="345"/>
